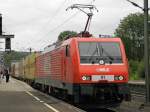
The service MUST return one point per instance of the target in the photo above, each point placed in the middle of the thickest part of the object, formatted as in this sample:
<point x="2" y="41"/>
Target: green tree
<point x="131" y="31"/>
<point x="8" y="57"/>
<point x="63" y="35"/>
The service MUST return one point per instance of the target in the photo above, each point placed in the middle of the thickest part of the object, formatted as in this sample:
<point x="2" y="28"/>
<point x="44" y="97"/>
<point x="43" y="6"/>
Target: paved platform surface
<point x="17" y="96"/>
<point x="139" y="82"/>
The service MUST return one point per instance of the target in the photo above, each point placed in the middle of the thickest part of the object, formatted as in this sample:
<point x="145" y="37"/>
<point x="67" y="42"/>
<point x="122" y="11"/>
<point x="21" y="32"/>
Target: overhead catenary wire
<point x="64" y="22"/>
<point x="53" y="17"/>
<point x="56" y="12"/>
<point x="58" y="26"/>
<point x="61" y="24"/>
<point x="50" y="20"/>
<point x="69" y="18"/>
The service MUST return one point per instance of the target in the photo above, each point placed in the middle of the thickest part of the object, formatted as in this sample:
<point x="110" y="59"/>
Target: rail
<point x="137" y="87"/>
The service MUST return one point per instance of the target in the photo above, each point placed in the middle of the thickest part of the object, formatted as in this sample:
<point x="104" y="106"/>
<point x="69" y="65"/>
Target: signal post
<point x="6" y="37"/>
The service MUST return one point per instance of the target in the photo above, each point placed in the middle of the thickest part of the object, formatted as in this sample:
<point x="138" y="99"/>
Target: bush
<point x="133" y="70"/>
<point x="136" y="70"/>
<point x="141" y="71"/>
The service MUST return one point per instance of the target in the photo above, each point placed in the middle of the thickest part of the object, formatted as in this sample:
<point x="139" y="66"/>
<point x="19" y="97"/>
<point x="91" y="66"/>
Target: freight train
<point x="85" y="70"/>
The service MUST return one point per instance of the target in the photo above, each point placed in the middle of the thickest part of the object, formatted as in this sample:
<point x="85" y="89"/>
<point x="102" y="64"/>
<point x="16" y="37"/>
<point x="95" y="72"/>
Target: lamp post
<point x="146" y="51"/>
<point x="146" y="48"/>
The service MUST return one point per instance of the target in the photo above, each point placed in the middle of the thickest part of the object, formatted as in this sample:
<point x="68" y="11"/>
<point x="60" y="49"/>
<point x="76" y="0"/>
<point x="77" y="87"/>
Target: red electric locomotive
<point x="88" y="70"/>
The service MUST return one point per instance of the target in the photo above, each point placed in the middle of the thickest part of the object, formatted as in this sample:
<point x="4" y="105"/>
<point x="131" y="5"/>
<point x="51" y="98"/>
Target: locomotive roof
<point x="116" y="39"/>
<point x="66" y="42"/>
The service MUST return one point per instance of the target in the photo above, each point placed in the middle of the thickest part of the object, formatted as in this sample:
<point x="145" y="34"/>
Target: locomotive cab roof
<point x="66" y="42"/>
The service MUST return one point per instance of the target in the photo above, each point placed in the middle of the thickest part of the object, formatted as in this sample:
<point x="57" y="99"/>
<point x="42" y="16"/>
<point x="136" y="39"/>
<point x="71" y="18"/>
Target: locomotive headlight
<point x="120" y="78"/>
<point x="83" y="77"/>
<point x="86" y="78"/>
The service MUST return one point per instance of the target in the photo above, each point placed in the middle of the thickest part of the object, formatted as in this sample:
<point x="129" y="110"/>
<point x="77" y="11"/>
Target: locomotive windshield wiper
<point x="98" y="57"/>
<point x="90" y="58"/>
<point x="108" y="56"/>
<point x="102" y="50"/>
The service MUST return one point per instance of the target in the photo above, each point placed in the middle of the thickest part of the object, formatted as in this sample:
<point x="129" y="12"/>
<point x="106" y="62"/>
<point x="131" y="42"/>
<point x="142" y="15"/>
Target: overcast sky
<point x="37" y="23"/>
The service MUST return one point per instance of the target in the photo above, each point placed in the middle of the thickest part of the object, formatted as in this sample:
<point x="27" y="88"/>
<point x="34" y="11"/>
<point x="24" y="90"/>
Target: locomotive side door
<point x="67" y="61"/>
<point x="64" y="63"/>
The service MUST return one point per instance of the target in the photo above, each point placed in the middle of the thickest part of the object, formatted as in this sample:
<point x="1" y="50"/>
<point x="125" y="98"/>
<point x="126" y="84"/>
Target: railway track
<point x="137" y="88"/>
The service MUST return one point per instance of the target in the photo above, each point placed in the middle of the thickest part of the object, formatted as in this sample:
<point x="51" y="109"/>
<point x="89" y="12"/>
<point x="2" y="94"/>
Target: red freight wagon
<point x="94" y="70"/>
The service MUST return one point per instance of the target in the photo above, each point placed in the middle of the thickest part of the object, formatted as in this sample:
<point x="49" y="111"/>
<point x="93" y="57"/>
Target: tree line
<point x="131" y="31"/>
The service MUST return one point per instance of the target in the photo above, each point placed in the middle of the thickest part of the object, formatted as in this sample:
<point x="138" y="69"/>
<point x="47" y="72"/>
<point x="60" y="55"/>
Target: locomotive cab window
<point x="67" y="51"/>
<point x="94" y="52"/>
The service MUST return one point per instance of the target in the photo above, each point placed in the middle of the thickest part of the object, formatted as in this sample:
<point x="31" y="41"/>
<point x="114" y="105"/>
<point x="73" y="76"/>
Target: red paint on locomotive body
<point x="89" y="69"/>
<point x="64" y="62"/>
